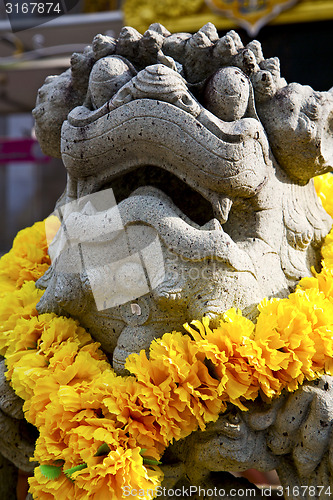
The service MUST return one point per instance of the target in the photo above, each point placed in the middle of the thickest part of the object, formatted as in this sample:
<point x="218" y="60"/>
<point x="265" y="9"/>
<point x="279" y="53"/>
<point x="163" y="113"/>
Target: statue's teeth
<point x="212" y="225"/>
<point x="221" y="208"/>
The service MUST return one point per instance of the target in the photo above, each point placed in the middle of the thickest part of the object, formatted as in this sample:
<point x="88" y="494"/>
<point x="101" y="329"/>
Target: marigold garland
<point x="100" y="432"/>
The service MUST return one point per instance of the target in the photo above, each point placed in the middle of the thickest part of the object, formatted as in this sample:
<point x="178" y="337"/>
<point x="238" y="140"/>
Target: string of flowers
<point x="99" y="432"/>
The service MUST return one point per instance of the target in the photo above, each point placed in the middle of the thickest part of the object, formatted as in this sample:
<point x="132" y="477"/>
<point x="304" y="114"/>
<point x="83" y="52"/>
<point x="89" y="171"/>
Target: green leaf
<point x="50" y="471"/>
<point x="104" y="449"/>
<point x="151" y="461"/>
<point x="71" y="471"/>
<point x="148" y="460"/>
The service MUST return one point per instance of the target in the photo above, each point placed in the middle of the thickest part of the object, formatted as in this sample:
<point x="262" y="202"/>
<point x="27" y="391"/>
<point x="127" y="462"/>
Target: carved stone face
<point x="200" y="217"/>
<point x="300" y="127"/>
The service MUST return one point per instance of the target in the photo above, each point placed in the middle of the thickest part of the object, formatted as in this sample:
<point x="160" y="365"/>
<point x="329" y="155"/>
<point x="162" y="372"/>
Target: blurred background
<point x="30" y="183"/>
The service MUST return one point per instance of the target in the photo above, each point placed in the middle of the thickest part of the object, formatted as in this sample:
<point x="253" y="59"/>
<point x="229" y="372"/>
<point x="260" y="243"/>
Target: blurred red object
<point x="261" y="478"/>
<point x="21" y="150"/>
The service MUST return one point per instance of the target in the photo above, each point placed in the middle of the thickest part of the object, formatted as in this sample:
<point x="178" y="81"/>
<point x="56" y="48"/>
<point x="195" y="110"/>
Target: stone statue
<point x="190" y="163"/>
<point x="218" y="117"/>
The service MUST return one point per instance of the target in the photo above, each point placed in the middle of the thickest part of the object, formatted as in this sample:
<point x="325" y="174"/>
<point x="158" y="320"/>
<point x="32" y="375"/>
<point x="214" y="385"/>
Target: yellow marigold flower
<point x="55" y="489"/>
<point x="278" y="327"/>
<point x="73" y="432"/>
<point x="319" y="312"/>
<point x="294" y="326"/>
<point x="55" y="434"/>
<point x="55" y="440"/>
<point x="237" y="360"/>
<point x="81" y="369"/>
<point x="158" y="393"/>
<point x="186" y="365"/>
<point x="28" y="372"/>
<point x="119" y="468"/>
<point x="327" y="250"/>
<point x="214" y="351"/>
<point x="28" y="259"/>
<point x="176" y="383"/>
<point x="19" y="304"/>
<point x="121" y="397"/>
<point x="62" y="329"/>
<point x="46" y="352"/>
<point x="14" y="306"/>
<point x="40" y="333"/>
<point x="45" y="388"/>
<point x="87" y="431"/>
<point x="64" y="412"/>
<point x="324" y="187"/>
<point x="25" y="337"/>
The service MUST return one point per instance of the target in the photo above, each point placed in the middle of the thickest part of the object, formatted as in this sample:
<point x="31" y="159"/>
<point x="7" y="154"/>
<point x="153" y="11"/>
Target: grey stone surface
<point x="214" y="118"/>
<point x="16" y="439"/>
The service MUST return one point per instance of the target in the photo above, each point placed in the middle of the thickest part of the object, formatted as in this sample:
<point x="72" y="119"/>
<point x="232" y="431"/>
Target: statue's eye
<point x="186" y="99"/>
<point x="234" y="418"/>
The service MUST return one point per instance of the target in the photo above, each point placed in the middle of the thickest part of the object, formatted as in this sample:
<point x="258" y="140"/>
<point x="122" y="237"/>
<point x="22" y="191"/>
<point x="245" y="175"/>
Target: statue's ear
<point x="56" y="98"/>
